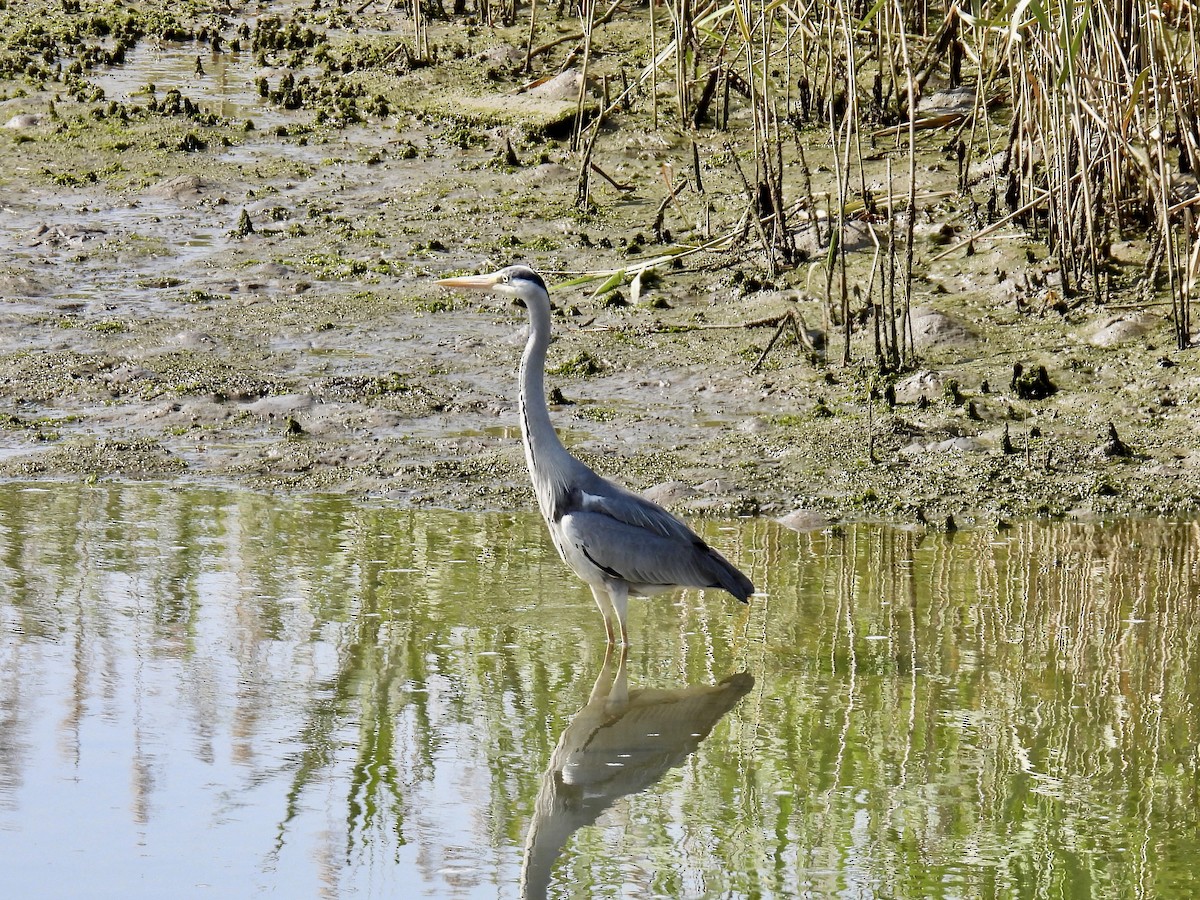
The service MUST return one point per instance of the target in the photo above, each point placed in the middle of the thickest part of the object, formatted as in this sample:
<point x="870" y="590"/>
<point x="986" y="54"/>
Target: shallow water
<point x="227" y="694"/>
<point x="225" y="87"/>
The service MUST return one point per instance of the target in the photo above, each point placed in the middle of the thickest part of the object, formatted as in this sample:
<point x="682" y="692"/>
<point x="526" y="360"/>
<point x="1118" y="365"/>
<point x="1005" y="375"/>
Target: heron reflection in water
<point x="616" y="541"/>
<point x="621" y="742"/>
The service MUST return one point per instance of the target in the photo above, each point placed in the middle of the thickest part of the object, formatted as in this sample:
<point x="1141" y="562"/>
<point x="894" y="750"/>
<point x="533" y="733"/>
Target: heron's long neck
<point x="544" y="453"/>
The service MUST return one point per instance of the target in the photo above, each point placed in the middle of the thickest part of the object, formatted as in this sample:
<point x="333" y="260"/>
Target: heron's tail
<point x="728" y="577"/>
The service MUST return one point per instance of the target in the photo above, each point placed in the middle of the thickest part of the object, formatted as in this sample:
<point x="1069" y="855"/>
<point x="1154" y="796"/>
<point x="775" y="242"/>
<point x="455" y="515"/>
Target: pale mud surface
<point x="146" y="336"/>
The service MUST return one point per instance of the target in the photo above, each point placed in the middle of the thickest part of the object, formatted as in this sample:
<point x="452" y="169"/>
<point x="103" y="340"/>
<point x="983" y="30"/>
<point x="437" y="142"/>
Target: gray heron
<point x="616" y="541"/>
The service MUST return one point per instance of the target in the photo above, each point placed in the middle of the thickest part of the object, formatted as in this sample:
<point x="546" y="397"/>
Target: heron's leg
<point x="602" y="600"/>
<point x="618" y="595"/>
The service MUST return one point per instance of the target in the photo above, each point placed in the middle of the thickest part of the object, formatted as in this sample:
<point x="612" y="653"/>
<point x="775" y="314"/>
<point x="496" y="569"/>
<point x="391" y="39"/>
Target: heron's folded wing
<point x="638" y="554"/>
<point x="631" y="509"/>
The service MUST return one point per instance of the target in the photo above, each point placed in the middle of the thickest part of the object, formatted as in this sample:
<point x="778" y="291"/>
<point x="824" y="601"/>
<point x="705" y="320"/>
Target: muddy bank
<point x="218" y="258"/>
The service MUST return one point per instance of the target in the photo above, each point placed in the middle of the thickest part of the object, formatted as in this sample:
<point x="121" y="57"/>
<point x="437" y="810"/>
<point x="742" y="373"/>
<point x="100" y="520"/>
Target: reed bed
<point x="1077" y="121"/>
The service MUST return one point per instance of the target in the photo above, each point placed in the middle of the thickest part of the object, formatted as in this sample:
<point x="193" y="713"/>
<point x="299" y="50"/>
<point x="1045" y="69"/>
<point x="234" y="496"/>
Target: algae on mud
<point x="164" y="338"/>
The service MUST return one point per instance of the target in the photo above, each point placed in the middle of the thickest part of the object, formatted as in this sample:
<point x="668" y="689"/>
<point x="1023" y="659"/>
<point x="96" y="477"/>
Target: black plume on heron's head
<point x="524" y="273"/>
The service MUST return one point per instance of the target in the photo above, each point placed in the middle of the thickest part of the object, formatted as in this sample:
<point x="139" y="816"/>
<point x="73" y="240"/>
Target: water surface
<point x="227" y="694"/>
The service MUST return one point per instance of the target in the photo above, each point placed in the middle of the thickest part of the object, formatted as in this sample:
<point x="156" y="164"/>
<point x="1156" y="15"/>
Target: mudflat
<point x="221" y="228"/>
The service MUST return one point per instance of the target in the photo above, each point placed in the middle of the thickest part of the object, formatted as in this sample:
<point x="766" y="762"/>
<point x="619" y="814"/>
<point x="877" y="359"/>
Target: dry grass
<point x="1084" y="113"/>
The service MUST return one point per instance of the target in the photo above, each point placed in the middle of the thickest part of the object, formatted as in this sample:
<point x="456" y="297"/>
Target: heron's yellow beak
<point x="477" y="282"/>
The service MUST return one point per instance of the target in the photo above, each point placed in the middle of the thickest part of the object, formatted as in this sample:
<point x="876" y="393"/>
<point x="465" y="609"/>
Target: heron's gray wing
<point x="627" y="507"/>
<point x="640" y="555"/>
<point x="666" y="551"/>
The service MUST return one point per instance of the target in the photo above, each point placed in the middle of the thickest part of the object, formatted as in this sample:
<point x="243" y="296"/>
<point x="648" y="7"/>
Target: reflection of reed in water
<point x="619" y="743"/>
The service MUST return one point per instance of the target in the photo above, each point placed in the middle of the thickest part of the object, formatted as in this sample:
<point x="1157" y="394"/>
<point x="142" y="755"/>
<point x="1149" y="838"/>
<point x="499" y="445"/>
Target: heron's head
<point x="518" y="282"/>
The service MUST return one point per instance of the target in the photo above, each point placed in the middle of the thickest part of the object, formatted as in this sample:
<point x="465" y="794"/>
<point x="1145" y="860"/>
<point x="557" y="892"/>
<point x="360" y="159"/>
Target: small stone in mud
<point x="25" y="120"/>
<point x="918" y="386"/>
<point x="805" y="520"/>
<point x="717" y="486"/>
<point x="932" y="328"/>
<point x="563" y="86"/>
<point x="669" y="493"/>
<point x="194" y="339"/>
<point x="181" y="188"/>
<point x="1121" y="329"/>
<point x="22" y="285"/>
<point x="950" y="445"/>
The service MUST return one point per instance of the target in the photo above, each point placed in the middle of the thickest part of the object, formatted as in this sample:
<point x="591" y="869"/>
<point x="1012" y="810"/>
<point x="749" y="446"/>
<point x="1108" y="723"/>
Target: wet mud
<point x="219" y="245"/>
